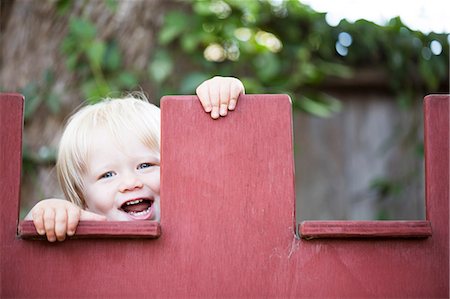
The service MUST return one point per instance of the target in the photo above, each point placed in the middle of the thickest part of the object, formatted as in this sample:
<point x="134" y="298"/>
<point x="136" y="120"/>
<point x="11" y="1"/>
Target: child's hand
<point x="219" y="94"/>
<point x="57" y="217"/>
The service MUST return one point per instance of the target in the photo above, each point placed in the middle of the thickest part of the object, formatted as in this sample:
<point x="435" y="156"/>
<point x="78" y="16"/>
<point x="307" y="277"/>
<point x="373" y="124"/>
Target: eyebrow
<point x="149" y="157"/>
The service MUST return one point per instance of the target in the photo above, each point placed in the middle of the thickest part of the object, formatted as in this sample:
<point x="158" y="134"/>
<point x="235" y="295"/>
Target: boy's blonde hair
<point x="118" y="117"/>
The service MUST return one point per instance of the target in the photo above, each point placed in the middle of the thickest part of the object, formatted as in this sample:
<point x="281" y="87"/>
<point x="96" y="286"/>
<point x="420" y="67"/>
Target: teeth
<point x="141" y="213"/>
<point x="133" y="202"/>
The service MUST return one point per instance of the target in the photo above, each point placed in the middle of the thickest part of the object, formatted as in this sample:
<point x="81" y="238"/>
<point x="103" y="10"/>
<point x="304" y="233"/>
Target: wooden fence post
<point x="227" y="223"/>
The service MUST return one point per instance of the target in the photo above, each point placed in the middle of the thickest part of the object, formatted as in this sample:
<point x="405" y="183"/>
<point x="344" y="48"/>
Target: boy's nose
<point x="130" y="183"/>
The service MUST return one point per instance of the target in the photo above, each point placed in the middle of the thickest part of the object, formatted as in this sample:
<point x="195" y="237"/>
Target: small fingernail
<point x="41" y="232"/>
<point x="232" y="105"/>
<point x="215" y="112"/>
<point x="208" y="109"/>
<point x="51" y="239"/>
<point x="223" y="110"/>
<point x="70" y="233"/>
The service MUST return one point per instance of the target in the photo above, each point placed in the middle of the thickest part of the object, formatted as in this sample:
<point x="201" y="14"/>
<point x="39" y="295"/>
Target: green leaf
<point x="385" y="187"/>
<point x="191" y="81"/>
<point x="267" y="65"/>
<point x="32" y="99"/>
<point x="72" y="61"/>
<point x="53" y="103"/>
<point x="161" y="66"/>
<point x="189" y="42"/>
<point x="420" y="149"/>
<point x="175" y="23"/>
<point x="202" y="8"/>
<point x="95" y="52"/>
<point x="335" y="69"/>
<point x="63" y="6"/>
<point x="94" y="92"/>
<point x="112" y="5"/>
<point x="68" y="45"/>
<point x="252" y="85"/>
<point x="313" y="107"/>
<point x="428" y="75"/>
<point x="49" y="77"/>
<point x="112" y="59"/>
<point x="29" y="91"/>
<point x="82" y="29"/>
<point x="383" y="215"/>
<point x="127" y="80"/>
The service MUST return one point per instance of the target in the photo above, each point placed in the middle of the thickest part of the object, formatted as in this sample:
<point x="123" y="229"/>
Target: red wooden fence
<point x="228" y="225"/>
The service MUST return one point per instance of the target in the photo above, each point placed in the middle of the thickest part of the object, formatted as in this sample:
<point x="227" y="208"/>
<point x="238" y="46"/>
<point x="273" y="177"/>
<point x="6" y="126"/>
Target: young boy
<point x="108" y="161"/>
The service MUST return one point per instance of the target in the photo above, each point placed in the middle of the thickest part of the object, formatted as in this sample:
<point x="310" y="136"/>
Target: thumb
<point x="85" y="215"/>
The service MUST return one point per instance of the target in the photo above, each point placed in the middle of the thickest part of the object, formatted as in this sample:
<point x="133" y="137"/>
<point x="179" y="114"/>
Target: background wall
<point x="351" y="165"/>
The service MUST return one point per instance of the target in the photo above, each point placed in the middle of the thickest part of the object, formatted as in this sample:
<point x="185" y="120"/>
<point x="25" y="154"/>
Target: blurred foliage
<point x="386" y="189"/>
<point x="284" y="46"/>
<point x="39" y="95"/>
<point x="272" y="46"/>
<point x="40" y="92"/>
<point x="97" y="63"/>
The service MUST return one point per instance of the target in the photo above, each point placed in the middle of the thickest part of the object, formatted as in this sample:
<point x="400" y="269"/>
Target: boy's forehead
<point x="104" y="138"/>
<point x="104" y="142"/>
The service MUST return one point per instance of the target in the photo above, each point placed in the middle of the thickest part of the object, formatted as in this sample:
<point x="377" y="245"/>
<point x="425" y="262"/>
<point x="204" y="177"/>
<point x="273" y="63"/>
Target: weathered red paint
<point x="365" y="229"/>
<point x="100" y="229"/>
<point x="227" y="220"/>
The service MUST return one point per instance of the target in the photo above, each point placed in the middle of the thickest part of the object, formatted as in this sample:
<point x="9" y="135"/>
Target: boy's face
<point x="122" y="182"/>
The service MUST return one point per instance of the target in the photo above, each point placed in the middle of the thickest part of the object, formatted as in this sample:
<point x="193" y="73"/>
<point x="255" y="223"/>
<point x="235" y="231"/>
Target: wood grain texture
<point x="11" y="119"/>
<point x="227" y="203"/>
<point x="365" y="229"/>
<point x="100" y="229"/>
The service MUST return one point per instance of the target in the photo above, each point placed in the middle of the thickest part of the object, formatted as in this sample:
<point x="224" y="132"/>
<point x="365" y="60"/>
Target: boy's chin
<point x="149" y="214"/>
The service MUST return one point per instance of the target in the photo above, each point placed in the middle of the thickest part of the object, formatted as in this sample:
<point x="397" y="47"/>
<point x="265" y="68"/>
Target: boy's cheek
<point x="92" y="198"/>
<point x="156" y="182"/>
<point x="157" y="186"/>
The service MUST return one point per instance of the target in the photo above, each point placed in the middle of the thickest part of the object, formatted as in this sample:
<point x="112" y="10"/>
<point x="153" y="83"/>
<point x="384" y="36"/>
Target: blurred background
<point x="356" y="84"/>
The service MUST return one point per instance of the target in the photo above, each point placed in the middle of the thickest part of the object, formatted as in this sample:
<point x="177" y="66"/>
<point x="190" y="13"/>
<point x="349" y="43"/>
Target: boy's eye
<point x="145" y="165"/>
<point x="107" y="174"/>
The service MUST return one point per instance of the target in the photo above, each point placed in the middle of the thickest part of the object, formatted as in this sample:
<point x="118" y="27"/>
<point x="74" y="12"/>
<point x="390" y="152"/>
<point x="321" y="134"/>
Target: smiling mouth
<point x="137" y="207"/>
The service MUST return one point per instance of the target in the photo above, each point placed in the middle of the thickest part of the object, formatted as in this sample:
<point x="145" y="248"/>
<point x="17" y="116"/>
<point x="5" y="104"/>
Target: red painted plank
<point x="11" y="119"/>
<point x="227" y="203"/>
<point x="100" y="229"/>
<point x="365" y="229"/>
<point x="242" y="257"/>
